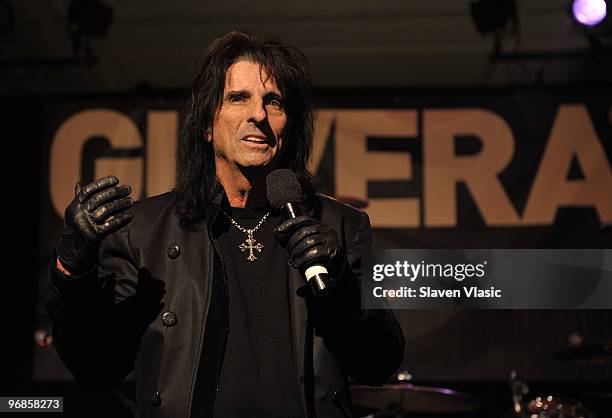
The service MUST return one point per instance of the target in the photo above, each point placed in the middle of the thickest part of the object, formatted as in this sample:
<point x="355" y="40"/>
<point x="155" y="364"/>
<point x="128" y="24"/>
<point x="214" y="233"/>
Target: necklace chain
<point x="242" y="228"/>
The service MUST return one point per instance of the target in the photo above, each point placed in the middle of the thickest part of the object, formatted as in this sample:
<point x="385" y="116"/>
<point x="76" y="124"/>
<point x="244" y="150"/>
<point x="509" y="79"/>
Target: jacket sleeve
<point x="96" y="320"/>
<point x="367" y="343"/>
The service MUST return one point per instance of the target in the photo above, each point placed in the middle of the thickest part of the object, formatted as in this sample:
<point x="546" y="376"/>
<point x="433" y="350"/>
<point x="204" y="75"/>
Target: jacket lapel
<point x="302" y="349"/>
<point x="299" y="320"/>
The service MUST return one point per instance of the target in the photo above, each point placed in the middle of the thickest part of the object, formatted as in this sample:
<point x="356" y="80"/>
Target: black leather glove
<point x="96" y="211"/>
<point x="309" y="242"/>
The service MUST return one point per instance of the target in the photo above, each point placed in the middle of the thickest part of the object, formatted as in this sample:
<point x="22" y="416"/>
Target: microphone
<point x="284" y="195"/>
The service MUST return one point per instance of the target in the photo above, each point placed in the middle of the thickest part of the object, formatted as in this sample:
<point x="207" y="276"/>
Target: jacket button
<point x="336" y="395"/>
<point x="174" y="251"/>
<point x="169" y="319"/>
<point x="156" y="399"/>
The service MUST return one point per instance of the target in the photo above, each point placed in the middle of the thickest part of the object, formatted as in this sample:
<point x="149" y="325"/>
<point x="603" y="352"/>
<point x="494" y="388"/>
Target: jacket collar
<point x="217" y="200"/>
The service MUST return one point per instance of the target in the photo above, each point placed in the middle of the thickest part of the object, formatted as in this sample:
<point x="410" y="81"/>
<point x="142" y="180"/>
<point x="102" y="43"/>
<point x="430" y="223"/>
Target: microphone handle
<point x="315" y="275"/>
<point x="291" y="210"/>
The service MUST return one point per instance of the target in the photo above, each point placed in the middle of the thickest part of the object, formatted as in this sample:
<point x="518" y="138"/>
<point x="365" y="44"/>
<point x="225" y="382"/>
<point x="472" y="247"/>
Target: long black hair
<point x="196" y="177"/>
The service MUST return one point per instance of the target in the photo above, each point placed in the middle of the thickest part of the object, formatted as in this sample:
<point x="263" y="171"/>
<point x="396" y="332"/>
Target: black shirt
<point x="258" y="376"/>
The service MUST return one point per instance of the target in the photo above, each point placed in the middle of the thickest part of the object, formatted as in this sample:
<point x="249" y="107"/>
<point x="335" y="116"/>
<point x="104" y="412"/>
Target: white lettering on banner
<point x="323" y="124"/>
<point x="572" y="135"/>
<point x="355" y="166"/>
<point x="67" y="148"/>
<point x="161" y="148"/>
<point x="443" y="169"/>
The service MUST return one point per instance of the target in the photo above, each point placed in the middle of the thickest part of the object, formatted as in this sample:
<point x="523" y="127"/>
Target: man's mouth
<point x="255" y="139"/>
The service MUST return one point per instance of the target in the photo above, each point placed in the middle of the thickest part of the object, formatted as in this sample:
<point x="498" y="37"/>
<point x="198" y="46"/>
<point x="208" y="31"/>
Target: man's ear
<point x="208" y="135"/>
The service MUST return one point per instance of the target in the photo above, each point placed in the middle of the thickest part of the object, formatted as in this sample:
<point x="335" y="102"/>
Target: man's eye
<point x="275" y="103"/>
<point x="236" y="98"/>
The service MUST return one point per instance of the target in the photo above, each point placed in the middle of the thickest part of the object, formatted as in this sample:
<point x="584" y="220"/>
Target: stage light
<point x="589" y="12"/>
<point x="87" y="19"/>
<point x="493" y="16"/>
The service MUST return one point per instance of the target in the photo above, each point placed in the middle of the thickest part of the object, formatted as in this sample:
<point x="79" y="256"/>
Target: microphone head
<point x="282" y="187"/>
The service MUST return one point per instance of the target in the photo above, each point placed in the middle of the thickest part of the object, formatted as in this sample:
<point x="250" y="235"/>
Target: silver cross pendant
<point x="250" y="245"/>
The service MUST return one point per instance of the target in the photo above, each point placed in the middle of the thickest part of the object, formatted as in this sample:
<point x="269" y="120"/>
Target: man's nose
<point x="257" y="111"/>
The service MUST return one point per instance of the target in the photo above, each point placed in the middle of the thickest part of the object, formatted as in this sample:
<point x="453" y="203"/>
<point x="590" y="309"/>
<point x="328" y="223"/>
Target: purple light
<point x="589" y="12"/>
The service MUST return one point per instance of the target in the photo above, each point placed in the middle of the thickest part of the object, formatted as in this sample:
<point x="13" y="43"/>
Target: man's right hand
<point x="96" y="211"/>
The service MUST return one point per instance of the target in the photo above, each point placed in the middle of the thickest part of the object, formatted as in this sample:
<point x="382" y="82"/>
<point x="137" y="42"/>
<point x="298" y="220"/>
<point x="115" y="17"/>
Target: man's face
<point x="248" y="127"/>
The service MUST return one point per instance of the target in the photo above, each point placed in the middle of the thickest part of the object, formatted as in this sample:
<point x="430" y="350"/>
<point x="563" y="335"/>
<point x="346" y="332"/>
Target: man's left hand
<point x="310" y="242"/>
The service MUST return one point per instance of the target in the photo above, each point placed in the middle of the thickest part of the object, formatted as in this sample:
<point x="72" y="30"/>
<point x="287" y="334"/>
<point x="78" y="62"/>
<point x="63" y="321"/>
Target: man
<point x="201" y="290"/>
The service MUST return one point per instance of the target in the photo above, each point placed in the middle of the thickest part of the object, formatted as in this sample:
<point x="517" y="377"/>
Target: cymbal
<point x="596" y="354"/>
<point x="412" y="398"/>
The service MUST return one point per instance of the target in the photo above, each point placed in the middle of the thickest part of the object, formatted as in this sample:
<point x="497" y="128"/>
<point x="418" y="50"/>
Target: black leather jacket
<point x="145" y="309"/>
